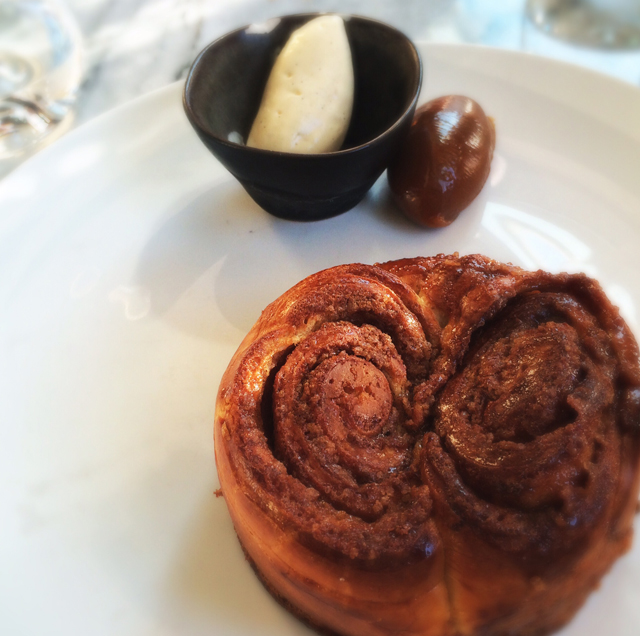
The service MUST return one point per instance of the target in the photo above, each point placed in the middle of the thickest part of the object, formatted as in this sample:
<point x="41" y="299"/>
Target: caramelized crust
<point x="439" y="446"/>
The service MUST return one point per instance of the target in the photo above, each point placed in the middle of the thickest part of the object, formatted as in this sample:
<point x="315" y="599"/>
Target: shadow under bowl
<point x="224" y="89"/>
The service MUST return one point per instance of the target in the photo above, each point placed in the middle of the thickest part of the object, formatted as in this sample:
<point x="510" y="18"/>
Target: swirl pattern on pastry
<point x="389" y="438"/>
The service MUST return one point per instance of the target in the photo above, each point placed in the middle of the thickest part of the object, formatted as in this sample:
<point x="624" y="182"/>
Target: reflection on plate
<point x="131" y="266"/>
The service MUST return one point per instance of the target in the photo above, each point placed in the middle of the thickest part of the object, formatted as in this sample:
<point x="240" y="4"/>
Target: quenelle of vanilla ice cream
<point x="308" y="99"/>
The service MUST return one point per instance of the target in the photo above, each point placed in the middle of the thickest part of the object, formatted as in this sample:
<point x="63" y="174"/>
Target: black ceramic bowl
<point x="222" y="95"/>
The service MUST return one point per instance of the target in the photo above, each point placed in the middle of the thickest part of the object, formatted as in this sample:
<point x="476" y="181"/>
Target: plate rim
<point x="624" y="91"/>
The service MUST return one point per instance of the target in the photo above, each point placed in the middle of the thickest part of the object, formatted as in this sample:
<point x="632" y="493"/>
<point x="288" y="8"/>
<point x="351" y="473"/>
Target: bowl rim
<point x="195" y="121"/>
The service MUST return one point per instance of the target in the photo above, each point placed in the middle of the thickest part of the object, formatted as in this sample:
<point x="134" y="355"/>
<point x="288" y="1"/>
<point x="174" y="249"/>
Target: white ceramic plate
<point x="132" y="264"/>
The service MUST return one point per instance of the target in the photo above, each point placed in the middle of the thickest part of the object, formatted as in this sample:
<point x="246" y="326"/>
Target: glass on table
<point x="601" y="34"/>
<point x="40" y="70"/>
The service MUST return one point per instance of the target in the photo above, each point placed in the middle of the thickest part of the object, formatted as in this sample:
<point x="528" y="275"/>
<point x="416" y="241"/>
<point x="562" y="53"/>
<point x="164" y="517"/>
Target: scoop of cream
<point x="307" y="103"/>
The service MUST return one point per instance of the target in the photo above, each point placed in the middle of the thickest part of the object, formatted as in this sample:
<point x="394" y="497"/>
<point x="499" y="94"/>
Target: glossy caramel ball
<point x="444" y="162"/>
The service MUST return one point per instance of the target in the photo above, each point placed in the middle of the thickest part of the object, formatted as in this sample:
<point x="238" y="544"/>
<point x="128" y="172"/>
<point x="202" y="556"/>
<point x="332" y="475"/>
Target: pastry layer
<point x="438" y="446"/>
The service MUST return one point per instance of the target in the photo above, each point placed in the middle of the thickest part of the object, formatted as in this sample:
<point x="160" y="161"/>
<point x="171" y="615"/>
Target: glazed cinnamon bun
<point x="438" y="446"/>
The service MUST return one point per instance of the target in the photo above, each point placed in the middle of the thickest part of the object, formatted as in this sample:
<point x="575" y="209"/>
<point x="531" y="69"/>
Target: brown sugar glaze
<point x="438" y="446"/>
<point x="444" y="161"/>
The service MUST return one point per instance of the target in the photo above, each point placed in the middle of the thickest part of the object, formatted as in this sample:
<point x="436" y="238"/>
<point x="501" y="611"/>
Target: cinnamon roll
<point x="439" y="446"/>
